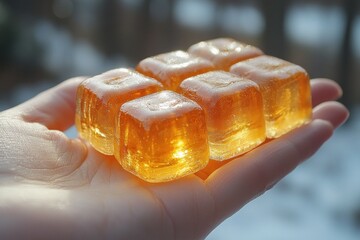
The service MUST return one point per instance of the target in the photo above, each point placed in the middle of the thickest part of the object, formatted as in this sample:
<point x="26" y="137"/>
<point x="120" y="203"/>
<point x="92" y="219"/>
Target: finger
<point x="54" y="108"/>
<point x="333" y="112"/>
<point x="324" y="90"/>
<point x="242" y="179"/>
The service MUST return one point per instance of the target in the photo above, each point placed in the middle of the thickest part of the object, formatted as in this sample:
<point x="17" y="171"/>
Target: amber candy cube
<point x="161" y="137"/>
<point x="224" y="52"/>
<point x="234" y="112"/>
<point x="98" y="102"/>
<point x="286" y="92"/>
<point x="173" y="67"/>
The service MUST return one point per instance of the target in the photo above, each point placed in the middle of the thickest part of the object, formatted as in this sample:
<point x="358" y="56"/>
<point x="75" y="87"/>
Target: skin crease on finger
<point x="50" y="180"/>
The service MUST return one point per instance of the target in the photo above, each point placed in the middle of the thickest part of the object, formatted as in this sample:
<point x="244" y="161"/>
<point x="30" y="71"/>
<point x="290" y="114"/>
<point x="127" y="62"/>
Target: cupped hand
<point x="55" y="187"/>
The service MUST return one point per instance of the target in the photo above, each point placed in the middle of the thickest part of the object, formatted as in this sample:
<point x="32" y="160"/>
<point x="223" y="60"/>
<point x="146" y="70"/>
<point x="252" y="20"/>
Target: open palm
<point x="55" y="187"/>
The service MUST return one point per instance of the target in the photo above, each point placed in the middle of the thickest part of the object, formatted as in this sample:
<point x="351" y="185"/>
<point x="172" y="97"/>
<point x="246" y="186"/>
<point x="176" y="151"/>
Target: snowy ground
<point x="319" y="200"/>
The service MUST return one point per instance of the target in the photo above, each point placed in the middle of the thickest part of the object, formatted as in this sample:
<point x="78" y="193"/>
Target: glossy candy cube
<point x="233" y="97"/>
<point x="224" y="52"/>
<point x="234" y="112"/>
<point x="98" y="102"/>
<point x="286" y="92"/>
<point x="173" y="67"/>
<point x="161" y="137"/>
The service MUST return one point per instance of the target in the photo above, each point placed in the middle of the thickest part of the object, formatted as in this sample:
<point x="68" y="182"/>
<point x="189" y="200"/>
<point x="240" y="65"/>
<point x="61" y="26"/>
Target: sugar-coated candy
<point x="173" y="67"/>
<point x="98" y="102"/>
<point x="224" y="52"/>
<point x="286" y="92"/>
<point x="161" y="137"/>
<point x="234" y="111"/>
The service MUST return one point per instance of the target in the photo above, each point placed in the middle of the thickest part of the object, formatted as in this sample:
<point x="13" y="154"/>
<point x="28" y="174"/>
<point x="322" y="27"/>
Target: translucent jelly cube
<point x="161" y="137"/>
<point x="173" y="67"/>
<point x="286" y="92"/>
<point x="98" y="102"/>
<point x="224" y="52"/>
<point x="234" y="112"/>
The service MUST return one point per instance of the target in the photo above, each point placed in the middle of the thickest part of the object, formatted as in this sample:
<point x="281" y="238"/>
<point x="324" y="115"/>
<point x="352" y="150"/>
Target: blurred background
<point x="44" y="42"/>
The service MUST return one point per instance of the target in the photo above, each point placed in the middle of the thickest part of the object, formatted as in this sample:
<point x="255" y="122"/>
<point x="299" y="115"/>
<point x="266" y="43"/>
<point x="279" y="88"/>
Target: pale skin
<point x="52" y="187"/>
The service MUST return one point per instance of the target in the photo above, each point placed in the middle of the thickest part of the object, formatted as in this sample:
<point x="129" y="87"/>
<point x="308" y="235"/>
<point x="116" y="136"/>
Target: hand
<point x="55" y="187"/>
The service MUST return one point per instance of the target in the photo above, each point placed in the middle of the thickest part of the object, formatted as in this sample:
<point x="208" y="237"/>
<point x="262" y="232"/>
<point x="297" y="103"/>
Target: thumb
<point x="54" y="108"/>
